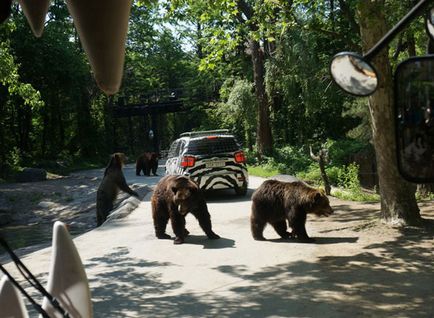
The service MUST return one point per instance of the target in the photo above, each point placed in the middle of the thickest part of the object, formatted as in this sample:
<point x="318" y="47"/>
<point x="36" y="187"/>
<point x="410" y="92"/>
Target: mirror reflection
<point x="430" y="23"/>
<point x="414" y="103"/>
<point x="353" y="74"/>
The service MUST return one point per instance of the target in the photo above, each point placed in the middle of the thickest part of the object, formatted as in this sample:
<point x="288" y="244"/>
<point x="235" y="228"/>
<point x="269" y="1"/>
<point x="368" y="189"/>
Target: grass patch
<point x="260" y="171"/>
<point x="359" y="196"/>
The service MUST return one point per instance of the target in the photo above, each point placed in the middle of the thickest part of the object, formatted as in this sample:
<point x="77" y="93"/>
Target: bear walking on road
<point x="147" y="162"/>
<point x="276" y="202"/>
<point x="173" y="198"/>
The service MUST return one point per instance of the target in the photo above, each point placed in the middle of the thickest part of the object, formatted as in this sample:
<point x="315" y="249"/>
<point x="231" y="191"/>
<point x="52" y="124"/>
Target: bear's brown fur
<point x="147" y="162"/>
<point x="112" y="182"/>
<point x="276" y="202"/>
<point x="173" y="198"/>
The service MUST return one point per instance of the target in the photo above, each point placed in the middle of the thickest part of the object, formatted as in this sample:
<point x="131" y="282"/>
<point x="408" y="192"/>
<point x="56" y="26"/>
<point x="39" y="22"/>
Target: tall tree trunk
<point x="398" y="202"/>
<point x="264" y="139"/>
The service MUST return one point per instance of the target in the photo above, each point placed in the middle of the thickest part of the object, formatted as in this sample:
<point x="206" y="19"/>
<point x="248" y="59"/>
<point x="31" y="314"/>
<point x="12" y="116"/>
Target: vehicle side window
<point x="173" y="149"/>
<point x="181" y="147"/>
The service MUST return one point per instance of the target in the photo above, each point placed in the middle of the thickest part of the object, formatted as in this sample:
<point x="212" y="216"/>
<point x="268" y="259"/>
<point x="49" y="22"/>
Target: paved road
<point x="133" y="274"/>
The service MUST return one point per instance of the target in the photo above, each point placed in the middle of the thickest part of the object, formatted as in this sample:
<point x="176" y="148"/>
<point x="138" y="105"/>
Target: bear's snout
<point x="328" y="212"/>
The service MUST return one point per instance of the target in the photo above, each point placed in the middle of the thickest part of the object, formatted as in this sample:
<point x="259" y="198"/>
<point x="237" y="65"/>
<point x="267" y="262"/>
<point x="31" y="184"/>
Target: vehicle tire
<point x="241" y="191"/>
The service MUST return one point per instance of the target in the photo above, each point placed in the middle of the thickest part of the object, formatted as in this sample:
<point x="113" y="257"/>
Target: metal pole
<point x="385" y="40"/>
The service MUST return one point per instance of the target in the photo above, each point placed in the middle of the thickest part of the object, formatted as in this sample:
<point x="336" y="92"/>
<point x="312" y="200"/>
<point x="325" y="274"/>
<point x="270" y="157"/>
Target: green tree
<point x="229" y="28"/>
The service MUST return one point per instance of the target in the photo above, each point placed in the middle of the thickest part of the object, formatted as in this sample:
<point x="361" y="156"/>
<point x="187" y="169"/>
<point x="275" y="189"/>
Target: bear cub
<point x="276" y="202"/>
<point x="173" y="198"/>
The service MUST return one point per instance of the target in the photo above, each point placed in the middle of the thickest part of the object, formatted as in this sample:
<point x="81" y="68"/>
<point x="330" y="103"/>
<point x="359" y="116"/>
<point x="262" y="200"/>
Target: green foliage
<point x="340" y="151"/>
<point x="355" y="195"/>
<point x="350" y="189"/>
<point x="238" y="111"/>
<point x="261" y="171"/>
<point x="294" y="159"/>
<point x="348" y="177"/>
<point x="10" y="78"/>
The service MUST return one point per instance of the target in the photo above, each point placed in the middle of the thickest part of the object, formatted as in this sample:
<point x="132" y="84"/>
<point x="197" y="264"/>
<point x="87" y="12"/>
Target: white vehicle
<point x="213" y="159"/>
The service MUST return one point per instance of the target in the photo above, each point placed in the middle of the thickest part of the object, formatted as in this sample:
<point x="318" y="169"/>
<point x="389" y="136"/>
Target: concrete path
<point x="133" y="274"/>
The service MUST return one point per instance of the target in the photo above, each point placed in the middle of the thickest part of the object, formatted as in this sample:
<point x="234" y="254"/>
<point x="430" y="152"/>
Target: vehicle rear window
<point x="212" y="145"/>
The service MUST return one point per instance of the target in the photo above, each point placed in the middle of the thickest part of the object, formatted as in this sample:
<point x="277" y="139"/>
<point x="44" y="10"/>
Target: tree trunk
<point x="321" y="159"/>
<point x="109" y="130"/>
<point x="398" y="202"/>
<point x="264" y="139"/>
<point x="85" y="128"/>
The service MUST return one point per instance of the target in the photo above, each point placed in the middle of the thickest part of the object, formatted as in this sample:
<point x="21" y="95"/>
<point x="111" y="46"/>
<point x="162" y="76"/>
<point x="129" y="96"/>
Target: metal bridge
<point x="156" y="102"/>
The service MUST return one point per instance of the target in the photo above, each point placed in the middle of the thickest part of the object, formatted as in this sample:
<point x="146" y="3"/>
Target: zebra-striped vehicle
<point x="213" y="159"/>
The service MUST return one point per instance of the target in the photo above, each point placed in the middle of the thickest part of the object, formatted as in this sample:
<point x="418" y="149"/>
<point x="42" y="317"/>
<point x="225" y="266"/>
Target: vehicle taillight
<point x="240" y="157"/>
<point x="188" y="161"/>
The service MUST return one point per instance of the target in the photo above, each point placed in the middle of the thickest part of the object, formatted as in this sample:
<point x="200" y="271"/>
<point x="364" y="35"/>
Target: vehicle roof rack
<point x="206" y="133"/>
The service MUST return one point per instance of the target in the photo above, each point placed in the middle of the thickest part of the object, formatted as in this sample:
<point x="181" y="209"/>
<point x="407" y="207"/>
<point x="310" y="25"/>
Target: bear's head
<point x="184" y="190"/>
<point x="320" y="204"/>
<point x="118" y="159"/>
<point x="116" y="163"/>
<point x="155" y="156"/>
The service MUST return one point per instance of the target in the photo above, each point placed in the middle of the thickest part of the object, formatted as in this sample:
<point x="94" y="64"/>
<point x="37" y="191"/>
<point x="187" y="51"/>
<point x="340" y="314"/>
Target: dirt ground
<point x="28" y="210"/>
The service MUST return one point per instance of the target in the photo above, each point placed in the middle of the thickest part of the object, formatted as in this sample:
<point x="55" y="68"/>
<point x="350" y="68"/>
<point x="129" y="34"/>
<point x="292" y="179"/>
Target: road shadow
<point x="389" y="278"/>
<point x="227" y="196"/>
<point x="355" y="212"/>
<point x="133" y="290"/>
<point x="220" y="243"/>
<point x="392" y="278"/>
<point x="318" y="240"/>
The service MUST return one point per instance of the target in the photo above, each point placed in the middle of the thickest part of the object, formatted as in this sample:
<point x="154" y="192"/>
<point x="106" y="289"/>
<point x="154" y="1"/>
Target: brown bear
<point x="112" y="182"/>
<point x="275" y="202"/>
<point x="147" y="162"/>
<point x="173" y="197"/>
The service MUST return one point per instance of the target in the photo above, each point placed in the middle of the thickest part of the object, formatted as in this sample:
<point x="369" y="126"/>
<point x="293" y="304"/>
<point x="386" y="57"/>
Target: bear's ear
<point x="113" y="161"/>
<point x="194" y="188"/>
<point x="318" y="196"/>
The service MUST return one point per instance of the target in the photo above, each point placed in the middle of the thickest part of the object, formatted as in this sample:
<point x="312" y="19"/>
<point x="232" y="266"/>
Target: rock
<point x="32" y="175"/>
<point x="46" y="204"/>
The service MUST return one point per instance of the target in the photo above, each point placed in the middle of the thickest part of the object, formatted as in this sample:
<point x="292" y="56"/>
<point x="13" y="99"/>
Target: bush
<point x="341" y="151"/>
<point x="348" y="177"/>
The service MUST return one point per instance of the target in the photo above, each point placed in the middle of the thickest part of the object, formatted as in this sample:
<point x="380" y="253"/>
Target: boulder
<point x="31" y="175"/>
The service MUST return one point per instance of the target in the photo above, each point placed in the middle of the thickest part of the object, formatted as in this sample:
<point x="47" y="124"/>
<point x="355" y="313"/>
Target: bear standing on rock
<point x="276" y="202"/>
<point x="173" y="198"/>
<point x="112" y="182"/>
<point x="147" y="162"/>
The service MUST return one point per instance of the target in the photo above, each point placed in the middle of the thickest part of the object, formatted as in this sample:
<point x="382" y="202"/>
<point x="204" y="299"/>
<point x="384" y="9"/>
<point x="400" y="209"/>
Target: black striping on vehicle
<point x="213" y="159"/>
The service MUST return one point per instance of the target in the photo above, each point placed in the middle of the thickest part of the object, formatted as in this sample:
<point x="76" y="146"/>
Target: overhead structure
<point x="158" y="102"/>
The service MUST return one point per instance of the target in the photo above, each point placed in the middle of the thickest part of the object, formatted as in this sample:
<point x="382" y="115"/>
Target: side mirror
<point x="354" y="74"/>
<point x="414" y="118"/>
